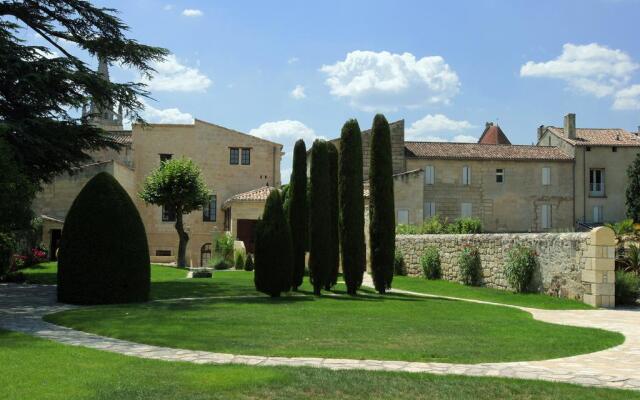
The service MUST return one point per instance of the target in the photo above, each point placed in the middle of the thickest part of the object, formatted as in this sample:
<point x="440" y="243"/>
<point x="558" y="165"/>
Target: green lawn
<point x="454" y="289"/>
<point x="44" y="370"/>
<point x="391" y="327"/>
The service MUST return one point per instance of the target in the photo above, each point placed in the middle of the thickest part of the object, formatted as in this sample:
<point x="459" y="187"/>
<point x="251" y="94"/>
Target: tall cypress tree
<point x="298" y="218"/>
<point x="381" y="205"/>
<point x="633" y="190"/>
<point x="352" y="242"/>
<point x="319" y="228"/>
<point x="334" y="255"/>
<point x="273" y="252"/>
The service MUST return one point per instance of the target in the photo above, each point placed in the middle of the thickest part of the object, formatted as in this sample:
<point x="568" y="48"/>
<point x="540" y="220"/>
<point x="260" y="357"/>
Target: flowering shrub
<point x="521" y="264"/>
<point x="469" y="262"/>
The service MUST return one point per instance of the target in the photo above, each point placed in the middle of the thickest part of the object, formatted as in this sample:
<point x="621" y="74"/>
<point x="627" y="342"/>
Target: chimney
<point x="540" y="131"/>
<point x="570" y="126"/>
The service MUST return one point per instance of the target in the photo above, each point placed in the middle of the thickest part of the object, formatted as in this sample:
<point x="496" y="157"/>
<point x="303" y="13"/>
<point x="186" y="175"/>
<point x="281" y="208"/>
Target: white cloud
<point x="435" y="123"/>
<point x="627" y="99"/>
<point x="168" y="7"/>
<point x="298" y="92"/>
<point x="286" y="132"/>
<point x="455" y="139"/>
<point x="162" y="116"/>
<point x="385" y="81"/>
<point x="465" y="139"/>
<point x="190" y="12"/>
<point x="172" y="76"/>
<point x="293" y="60"/>
<point x="591" y="68"/>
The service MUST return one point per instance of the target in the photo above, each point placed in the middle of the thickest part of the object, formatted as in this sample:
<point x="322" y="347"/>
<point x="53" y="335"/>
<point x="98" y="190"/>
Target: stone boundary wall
<point x="570" y="265"/>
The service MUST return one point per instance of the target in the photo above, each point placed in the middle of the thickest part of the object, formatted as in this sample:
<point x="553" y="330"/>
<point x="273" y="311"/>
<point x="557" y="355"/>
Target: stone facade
<point x="570" y="265"/>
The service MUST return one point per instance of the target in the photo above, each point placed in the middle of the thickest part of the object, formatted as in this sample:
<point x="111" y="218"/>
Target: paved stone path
<point x="23" y="306"/>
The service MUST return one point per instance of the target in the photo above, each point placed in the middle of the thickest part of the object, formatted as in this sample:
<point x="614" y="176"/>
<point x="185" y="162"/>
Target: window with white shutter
<point x="429" y="175"/>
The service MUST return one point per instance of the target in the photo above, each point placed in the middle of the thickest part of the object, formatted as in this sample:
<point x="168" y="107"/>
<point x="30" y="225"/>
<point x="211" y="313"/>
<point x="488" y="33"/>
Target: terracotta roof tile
<point x="121" y="138"/>
<point x="493" y="135"/>
<point x="599" y="137"/>
<point x="259" y="194"/>
<point x="476" y="151"/>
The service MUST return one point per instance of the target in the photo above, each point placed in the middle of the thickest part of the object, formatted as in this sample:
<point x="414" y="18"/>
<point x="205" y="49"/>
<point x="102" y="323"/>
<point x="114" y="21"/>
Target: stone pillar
<point x="598" y="275"/>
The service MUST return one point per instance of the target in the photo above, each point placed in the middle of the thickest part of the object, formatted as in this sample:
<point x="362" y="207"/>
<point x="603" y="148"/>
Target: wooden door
<point x="247" y="233"/>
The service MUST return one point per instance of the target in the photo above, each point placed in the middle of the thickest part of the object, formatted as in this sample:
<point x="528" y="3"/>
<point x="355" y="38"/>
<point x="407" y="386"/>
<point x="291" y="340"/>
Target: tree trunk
<point x="184" y="238"/>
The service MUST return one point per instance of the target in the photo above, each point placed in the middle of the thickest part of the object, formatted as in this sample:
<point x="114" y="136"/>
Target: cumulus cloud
<point x="627" y="99"/>
<point x="591" y="68"/>
<point x="435" y="123"/>
<point x="384" y="81"/>
<point x="286" y="132"/>
<point x="435" y="138"/>
<point x="191" y="12"/>
<point x="172" y="76"/>
<point x="298" y="92"/>
<point x="155" y="115"/>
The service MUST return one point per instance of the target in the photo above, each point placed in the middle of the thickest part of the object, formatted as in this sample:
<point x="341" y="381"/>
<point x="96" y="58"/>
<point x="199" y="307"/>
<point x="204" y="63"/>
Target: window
<point x="466" y="175"/>
<point x="429" y="209"/>
<point x="465" y="210"/>
<point x="403" y="217"/>
<point x="598" y="216"/>
<point x="227" y="219"/>
<point x="163" y="253"/>
<point x="168" y="215"/>
<point x="246" y="156"/>
<point x="165" y="157"/>
<point x="209" y="209"/>
<point x="499" y="175"/>
<point x="429" y="175"/>
<point x="546" y="176"/>
<point x="545" y="216"/>
<point x="588" y="148"/>
<point x="234" y="155"/>
<point x="614" y="149"/>
<point x="596" y="182"/>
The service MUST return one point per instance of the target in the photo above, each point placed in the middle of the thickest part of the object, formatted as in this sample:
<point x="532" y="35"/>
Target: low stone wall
<point x="567" y="262"/>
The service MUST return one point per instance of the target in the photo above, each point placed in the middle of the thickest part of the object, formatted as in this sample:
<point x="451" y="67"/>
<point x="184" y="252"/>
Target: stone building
<point x="232" y="163"/>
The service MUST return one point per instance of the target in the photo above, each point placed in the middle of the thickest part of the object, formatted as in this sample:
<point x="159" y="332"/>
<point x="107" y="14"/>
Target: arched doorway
<point x="205" y="254"/>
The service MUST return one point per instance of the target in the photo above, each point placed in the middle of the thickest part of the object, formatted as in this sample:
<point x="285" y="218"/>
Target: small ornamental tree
<point x="334" y="237"/>
<point x="297" y="209"/>
<point x="633" y="190"/>
<point x="177" y="185"/>
<point x="351" y="200"/>
<point x="273" y="250"/>
<point x="104" y="255"/>
<point x="319" y="227"/>
<point x="381" y="205"/>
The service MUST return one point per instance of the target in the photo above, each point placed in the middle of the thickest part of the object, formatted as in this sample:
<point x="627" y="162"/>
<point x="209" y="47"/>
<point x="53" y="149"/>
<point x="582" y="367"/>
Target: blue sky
<point x="284" y="69"/>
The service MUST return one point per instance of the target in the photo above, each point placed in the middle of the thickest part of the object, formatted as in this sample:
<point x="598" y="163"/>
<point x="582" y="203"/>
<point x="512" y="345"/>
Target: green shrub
<point x="248" y="265"/>
<point x="104" y="256"/>
<point x="631" y="258"/>
<point x="239" y="260"/>
<point x="470" y="269"/>
<point x="435" y="225"/>
<point x="220" y="263"/>
<point x="224" y="246"/>
<point x="627" y="288"/>
<point x="521" y="264"/>
<point x="399" y="266"/>
<point x="430" y="262"/>
<point x="7" y="247"/>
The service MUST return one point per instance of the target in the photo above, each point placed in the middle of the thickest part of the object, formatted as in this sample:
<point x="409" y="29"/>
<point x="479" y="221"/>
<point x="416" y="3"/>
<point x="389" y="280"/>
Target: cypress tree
<point x="319" y="215"/>
<point x="351" y="199"/>
<point x="633" y="190"/>
<point x="104" y="255"/>
<point x="334" y="238"/>
<point x="381" y="205"/>
<point x="273" y="250"/>
<point x="298" y="218"/>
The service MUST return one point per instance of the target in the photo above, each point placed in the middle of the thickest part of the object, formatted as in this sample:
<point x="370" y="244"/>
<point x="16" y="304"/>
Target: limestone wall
<point x="570" y="265"/>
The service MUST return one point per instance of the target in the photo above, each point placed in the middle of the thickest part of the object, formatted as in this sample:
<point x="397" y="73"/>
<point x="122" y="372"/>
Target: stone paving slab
<point x="23" y="306"/>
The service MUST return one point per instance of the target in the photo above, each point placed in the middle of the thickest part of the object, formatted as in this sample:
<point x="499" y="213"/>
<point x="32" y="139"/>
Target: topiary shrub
<point x="248" y="265"/>
<point x="430" y="262"/>
<point x="399" y="266"/>
<point x="239" y="261"/>
<point x="627" y="288"/>
<point x="521" y="264"/>
<point x="469" y="263"/>
<point x="104" y="256"/>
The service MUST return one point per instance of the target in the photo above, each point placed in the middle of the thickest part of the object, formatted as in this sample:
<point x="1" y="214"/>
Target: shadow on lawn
<point x="197" y="288"/>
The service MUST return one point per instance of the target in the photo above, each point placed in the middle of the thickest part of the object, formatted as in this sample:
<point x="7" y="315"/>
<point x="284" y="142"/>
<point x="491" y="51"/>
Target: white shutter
<point x="429" y="209"/>
<point x="546" y="176"/>
<point x="545" y="216"/>
<point x="466" y="175"/>
<point x="465" y="210"/>
<point x="598" y="214"/>
<point x="429" y="175"/>
<point x="403" y="217"/>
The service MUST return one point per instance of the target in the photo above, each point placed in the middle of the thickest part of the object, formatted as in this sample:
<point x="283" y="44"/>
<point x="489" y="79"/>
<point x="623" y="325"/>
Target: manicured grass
<point x="454" y="289"/>
<point x="44" y="273"/>
<point x="391" y="327"/>
<point x="45" y="370"/>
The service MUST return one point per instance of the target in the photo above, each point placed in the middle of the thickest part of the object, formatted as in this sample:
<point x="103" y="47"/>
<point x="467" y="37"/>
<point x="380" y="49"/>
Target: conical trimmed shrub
<point x="273" y="250"/>
<point x="104" y="255"/>
<point x="334" y="236"/>
<point x="352" y="241"/>
<point x="381" y="205"/>
<point x="319" y="216"/>
<point x="298" y="216"/>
